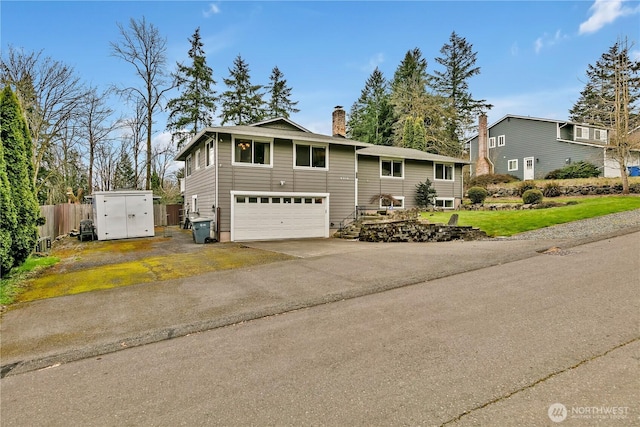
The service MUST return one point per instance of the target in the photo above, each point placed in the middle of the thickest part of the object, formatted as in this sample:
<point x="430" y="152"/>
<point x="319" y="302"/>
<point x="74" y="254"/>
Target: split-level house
<point x="276" y="179"/>
<point x="530" y="148"/>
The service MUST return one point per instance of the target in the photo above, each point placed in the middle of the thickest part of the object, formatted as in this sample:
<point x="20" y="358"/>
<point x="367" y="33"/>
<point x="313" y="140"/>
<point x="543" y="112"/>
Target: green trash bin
<point x="201" y="230"/>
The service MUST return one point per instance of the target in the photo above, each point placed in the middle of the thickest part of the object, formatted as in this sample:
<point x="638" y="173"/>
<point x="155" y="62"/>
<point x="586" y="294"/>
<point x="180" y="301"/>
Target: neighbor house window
<point x="582" y="132"/>
<point x="492" y="142"/>
<point x="187" y="166"/>
<point x="391" y="168"/>
<point x="209" y="154"/>
<point x="310" y="156"/>
<point x="444" y="203"/>
<point x="600" y="135"/>
<point x="513" y="165"/>
<point x="443" y="172"/>
<point x="501" y="140"/>
<point x="197" y="159"/>
<point x="397" y="203"/>
<point x="248" y="151"/>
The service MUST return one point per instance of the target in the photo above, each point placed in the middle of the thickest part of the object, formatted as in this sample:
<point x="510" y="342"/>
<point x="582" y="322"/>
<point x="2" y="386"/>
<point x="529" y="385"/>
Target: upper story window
<point x="501" y="140"/>
<point x="492" y="142"/>
<point x="443" y="172"/>
<point x="391" y="168"/>
<point x="209" y="159"/>
<point x="250" y="152"/>
<point x="581" y="132"/>
<point x="197" y="159"/>
<point x="187" y="166"/>
<point x="310" y="156"/>
<point x="600" y="135"/>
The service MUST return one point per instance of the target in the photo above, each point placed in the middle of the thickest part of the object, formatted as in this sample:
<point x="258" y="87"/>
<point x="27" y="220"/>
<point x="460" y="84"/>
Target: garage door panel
<point x="295" y="216"/>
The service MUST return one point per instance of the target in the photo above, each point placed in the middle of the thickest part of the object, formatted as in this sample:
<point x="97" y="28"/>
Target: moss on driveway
<point x="91" y="266"/>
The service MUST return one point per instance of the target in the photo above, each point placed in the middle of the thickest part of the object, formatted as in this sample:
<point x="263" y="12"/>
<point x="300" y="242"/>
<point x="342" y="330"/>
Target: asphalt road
<point x="495" y="346"/>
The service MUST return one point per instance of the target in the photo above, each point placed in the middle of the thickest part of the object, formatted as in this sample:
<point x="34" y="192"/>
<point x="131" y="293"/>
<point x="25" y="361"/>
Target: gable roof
<point x="268" y="132"/>
<point x="280" y="123"/>
<point x="407" y="153"/>
<point x="538" y="119"/>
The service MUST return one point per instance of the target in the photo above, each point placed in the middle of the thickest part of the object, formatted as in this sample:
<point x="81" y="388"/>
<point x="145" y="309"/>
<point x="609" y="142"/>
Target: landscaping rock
<point x="416" y="231"/>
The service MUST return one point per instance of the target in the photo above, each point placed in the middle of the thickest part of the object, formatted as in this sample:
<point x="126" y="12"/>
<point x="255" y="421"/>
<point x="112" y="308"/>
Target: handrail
<point x="353" y="216"/>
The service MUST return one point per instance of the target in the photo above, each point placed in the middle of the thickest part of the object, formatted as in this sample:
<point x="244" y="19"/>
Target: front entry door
<point x="528" y="168"/>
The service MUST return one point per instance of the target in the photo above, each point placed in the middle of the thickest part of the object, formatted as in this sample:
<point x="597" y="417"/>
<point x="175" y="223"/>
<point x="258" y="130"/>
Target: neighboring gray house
<point x="276" y="180"/>
<point x="529" y="147"/>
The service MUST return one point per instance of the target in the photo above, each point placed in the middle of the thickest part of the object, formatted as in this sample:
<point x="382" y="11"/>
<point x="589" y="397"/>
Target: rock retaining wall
<point x="574" y="190"/>
<point x="416" y="231"/>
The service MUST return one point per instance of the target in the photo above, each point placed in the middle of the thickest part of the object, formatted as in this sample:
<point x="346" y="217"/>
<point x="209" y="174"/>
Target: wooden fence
<point x="61" y="219"/>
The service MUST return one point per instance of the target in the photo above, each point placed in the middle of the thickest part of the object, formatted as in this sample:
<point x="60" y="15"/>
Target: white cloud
<point x="547" y="40"/>
<point x="514" y="49"/>
<point x="604" y="12"/>
<point x="213" y="10"/>
<point x="635" y="55"/>
<point x="374" y="61"/>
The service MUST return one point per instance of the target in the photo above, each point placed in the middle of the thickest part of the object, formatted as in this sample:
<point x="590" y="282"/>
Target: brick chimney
<point x="483" y="164"/>
<point x="339" y="122"/>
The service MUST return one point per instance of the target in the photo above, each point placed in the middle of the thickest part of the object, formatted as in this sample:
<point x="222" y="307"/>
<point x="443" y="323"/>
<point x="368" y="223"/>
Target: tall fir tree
<point x="195" y="108"/>
<point x="8" y="218"/>
<point x="597" y="102"/>
<point x="242" y="103"/>
<point x="17" y="147"/>
<point x="410" y="99"/>
<point x="124" y="176"/>
<point x="459" y="62"/>
<point x="371" y="117"/>
<point x="280" y="103"/>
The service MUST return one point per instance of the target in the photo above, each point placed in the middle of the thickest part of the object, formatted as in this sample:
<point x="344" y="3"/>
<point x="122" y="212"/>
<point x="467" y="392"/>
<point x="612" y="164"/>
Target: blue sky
<point x="532" y="54"/>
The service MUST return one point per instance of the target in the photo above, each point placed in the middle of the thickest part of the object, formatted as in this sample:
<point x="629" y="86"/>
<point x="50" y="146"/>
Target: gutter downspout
<point x="216" y="186"/>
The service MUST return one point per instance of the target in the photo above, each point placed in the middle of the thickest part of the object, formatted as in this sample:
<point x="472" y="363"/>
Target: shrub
<point x="524" y="186"/>
<point x="477" y="195"/>
<point x="551" y="189"/>
<point x="580" y="169"/>
<point x="531" y="197"/>
<point x="425" y="194"/>
<point x="492" y="178"/>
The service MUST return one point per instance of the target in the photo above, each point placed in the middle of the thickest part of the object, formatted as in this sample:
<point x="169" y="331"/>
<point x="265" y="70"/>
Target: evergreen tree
<point x="242" y="104"/>
<point x="458" y="60"/>
<point x="124" y="176"/>
<point x="280" y="104"/>
<point x="17" y="149"/>
<point x="371" y="117"/>
<point x="194" y="109"/>
<point x="8" y="219"/>
<point x="597" y="102"/>
<point x="410" y="99"/>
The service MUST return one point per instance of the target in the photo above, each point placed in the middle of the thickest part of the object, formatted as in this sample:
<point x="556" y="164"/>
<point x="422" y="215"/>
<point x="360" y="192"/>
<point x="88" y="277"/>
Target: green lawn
<point x="12" y="284"/>
<point x="507" y="223"/>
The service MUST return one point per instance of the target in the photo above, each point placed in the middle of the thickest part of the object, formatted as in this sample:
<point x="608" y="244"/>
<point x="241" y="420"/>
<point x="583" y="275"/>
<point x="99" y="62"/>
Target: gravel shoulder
<point x="591" y="228"/>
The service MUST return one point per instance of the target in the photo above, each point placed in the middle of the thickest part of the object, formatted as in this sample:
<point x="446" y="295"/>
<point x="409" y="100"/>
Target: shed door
<point x="139" y="219"/>
<point x="269" y="217"/>
<point x="115" y="218"/>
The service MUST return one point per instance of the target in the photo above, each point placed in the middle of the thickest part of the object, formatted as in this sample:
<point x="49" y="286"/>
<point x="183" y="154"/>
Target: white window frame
<point x="311" y="147"/>
<point x="502" y="140"/>
<point x="445" y="201"/>
<point x="401" y="161"/>
<point x="453" y="172"/>
<point x="512" y="165"/>
<point x="253" y="142"/>
<point x="194" y="206"/>
<point x="492" y="142"/>
<point x="209" y="153"/>
<point x="583" y="130"/>
<point x="600" y="134"/>
<point x="398" y="198"/>
<point x="197" y="159"/>
<point x="188" y="166"/>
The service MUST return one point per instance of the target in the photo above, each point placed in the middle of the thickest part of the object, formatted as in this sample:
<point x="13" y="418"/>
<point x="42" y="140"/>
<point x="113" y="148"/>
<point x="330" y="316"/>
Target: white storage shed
<point x="123" y="214"/>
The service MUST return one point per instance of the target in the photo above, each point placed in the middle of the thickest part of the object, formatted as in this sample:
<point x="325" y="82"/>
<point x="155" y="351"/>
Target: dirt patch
<point x="171" y="254"/>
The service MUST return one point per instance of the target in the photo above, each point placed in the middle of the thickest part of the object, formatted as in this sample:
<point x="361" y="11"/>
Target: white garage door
<point x="268" y="216"/>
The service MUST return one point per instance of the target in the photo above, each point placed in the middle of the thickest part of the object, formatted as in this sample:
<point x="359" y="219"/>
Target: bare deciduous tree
<point x="143" y="47"/>
<point x="49" y="93"/>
